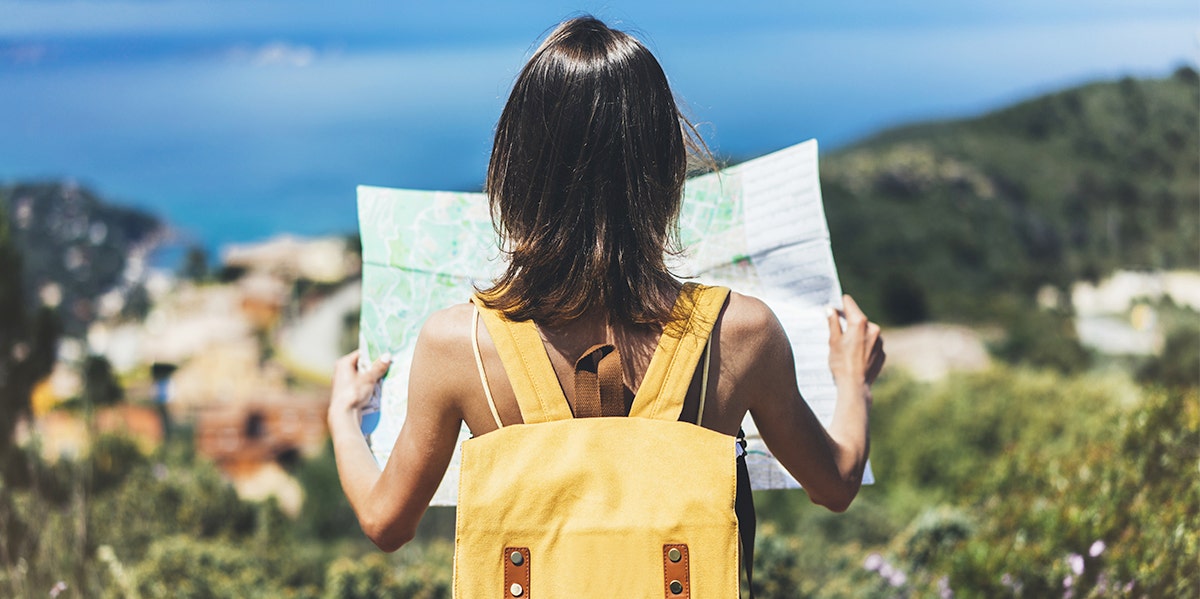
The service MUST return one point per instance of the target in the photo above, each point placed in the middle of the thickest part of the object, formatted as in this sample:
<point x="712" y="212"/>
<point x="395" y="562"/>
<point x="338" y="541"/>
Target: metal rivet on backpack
<point x="516" y="590"/>
<point x="674" y="555"/>
<point x="676" y="587"/>
<point x="517" y="558"/>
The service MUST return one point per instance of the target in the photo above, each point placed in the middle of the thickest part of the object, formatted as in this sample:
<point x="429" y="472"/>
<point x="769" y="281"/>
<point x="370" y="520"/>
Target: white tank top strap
<point x="487" y="391"/>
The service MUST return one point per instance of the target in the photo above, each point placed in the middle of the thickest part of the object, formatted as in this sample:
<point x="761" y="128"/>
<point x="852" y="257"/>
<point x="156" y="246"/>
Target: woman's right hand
<point x="352" y="387"/>
<point x="856" y="352"/>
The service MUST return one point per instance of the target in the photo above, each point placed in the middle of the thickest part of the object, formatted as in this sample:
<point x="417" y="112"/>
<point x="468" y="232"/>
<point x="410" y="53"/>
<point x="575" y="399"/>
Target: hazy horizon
<point x="237" y="121"/>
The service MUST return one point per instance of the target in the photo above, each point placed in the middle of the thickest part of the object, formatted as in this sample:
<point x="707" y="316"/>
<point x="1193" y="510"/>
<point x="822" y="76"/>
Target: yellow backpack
<point x="572" y="506"/>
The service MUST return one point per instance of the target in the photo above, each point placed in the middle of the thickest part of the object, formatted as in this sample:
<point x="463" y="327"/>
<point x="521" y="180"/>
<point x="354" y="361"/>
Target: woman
<point x="585" y="183"/>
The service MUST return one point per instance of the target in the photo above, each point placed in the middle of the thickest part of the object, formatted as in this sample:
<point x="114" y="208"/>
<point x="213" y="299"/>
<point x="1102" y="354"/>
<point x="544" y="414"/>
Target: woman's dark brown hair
<point x="586" y="179"/>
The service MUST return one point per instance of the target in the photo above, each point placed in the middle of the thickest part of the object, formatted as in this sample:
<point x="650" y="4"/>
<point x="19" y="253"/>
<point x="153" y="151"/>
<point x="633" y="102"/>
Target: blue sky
<point x="236" y="120"/>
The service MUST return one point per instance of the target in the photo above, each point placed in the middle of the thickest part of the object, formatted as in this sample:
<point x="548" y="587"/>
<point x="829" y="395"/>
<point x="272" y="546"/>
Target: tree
<point x="14" y="400"/>
<point x="27" y="353"/>
<point x="195" y="265"/>
<point x="100" y="386"/>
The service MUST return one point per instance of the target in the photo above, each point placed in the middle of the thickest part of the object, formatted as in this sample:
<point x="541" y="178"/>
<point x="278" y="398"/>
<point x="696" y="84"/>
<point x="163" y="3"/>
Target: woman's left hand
<point x="352" y="388"/>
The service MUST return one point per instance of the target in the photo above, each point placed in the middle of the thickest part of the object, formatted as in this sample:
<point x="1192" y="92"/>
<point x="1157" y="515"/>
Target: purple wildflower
<point x="1097" y="548"/>
<point x="1076" y="562"/>
<point x="944" y="590"/>
<point x="886" y="570"/>
<point x="873" y="562"/>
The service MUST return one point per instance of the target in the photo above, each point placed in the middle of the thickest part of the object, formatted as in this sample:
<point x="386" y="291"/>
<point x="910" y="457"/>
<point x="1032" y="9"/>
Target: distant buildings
<point x="206" y="354"/>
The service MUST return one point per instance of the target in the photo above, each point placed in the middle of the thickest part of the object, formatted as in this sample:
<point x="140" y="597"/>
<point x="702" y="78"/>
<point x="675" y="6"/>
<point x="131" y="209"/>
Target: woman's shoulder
<point x="752" y="343"/>
<point x="447" y="329"/>
<point x="443" y="355"/>
<point x="749" y="321"/>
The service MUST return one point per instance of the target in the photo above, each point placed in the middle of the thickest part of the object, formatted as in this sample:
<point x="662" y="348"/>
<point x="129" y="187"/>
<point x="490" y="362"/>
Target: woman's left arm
<point x="390" y="503"/>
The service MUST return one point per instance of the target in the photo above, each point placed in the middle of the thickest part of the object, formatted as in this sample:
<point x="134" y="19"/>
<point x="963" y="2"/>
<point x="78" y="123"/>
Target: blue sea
<point x="236" y="121"/>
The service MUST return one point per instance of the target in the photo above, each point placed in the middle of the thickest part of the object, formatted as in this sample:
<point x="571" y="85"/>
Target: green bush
<point x="420" y="572"/>
<point x="1006" y="483"/>
<point x="1117" y="513"/>
<point x="183" y="567"/>
<point x="942" y="438"/>
<point x="1041" y="339"/>
<point x="1178" y="365"/>
<point x="326" y="514"/>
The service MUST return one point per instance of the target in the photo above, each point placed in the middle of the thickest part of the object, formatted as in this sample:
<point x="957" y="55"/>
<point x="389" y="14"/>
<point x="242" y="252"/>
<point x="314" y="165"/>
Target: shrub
<point x="182" y="567"/>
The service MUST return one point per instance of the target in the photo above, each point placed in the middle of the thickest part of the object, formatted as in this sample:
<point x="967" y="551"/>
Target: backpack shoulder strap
<point x="680" y="347"/>
<point x="529" y="371"/>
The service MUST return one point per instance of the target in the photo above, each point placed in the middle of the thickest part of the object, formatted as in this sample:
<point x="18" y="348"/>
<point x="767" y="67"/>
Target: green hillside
<point x="73" y="239"/>
<point x="963" y="220"/>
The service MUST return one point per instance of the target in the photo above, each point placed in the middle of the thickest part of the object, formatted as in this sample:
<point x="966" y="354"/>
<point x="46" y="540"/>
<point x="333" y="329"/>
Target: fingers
<point x="348" y="359"/>
<point x="849" y="305"/>
<point x="347" y="365"/>
<point x="378" y="368"/>
<point x="854" y="315"/>
<point x="835" y="323"/>
<point x="872" y="335"/>
<point x="856" y="349"/>
<point x="876" y="360"/>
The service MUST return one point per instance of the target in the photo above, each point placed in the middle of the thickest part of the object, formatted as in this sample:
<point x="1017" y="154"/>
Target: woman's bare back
<point x="744" y="327"/>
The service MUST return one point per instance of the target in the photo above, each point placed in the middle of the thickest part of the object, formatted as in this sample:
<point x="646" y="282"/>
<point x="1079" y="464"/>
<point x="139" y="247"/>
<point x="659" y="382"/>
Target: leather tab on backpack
<point x="516" y="573"/>
<point x="676" y="583"/>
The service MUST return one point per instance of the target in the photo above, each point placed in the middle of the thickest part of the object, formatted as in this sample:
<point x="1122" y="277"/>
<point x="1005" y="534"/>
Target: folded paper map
<point x="758" y="227"/>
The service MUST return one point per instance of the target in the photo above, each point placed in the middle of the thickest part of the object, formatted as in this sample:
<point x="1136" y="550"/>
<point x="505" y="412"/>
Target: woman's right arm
<point x="389" y="502"/>
<point x="828" y="463"/>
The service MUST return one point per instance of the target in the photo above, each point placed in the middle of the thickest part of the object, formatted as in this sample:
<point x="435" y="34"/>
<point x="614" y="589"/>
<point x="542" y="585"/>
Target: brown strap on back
<point x="599" y="385"/>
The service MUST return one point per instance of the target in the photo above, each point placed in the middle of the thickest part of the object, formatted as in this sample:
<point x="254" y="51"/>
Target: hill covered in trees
<point x="73" y="245"/>
<point x="964" y="220"/>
